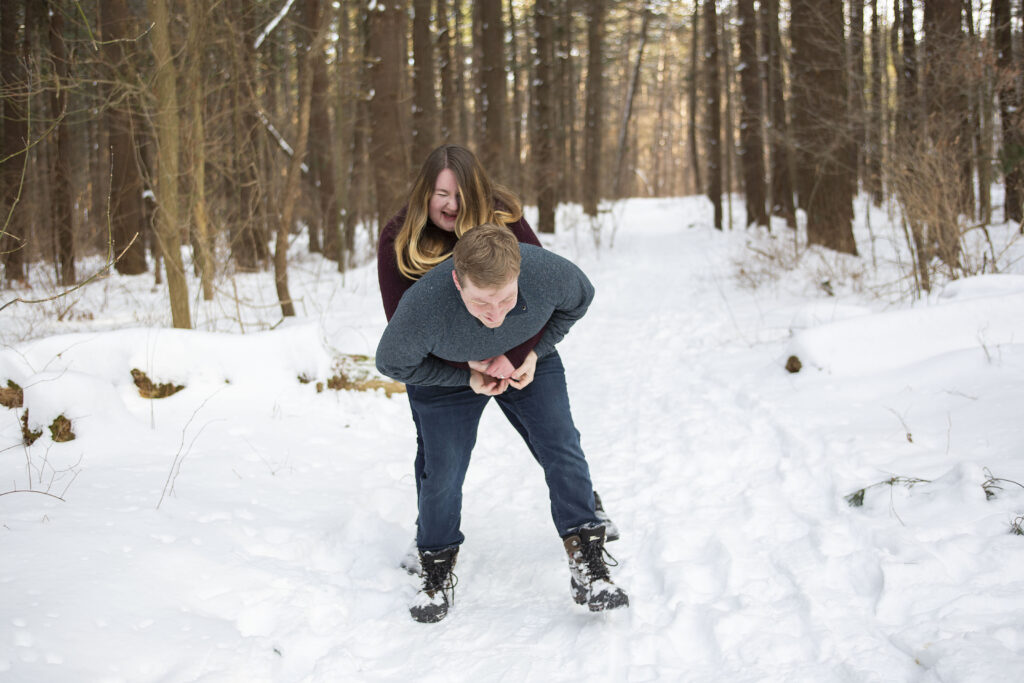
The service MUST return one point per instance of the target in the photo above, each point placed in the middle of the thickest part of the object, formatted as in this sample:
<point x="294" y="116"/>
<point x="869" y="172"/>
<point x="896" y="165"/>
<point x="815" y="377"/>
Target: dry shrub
<point x="765" y="261"/>
<point x="60" y="429"/>
<point x="28" y="436"/>
<point x="355" y="372"/>
<point x="928" y="182"/>
<point x="148" y="389"/>
<point x="11" y="396"/>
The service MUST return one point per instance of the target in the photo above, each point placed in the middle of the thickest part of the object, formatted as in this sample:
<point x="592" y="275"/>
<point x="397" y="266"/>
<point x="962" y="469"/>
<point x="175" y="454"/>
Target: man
<point x="492" y="295"/>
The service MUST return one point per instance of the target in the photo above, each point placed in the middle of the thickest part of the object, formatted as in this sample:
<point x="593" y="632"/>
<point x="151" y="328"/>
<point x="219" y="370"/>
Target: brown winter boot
<point x="590" y="581"/>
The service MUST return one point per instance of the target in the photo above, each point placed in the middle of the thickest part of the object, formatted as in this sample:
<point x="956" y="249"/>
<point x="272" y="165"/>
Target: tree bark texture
<point x="424" y="104"/>
<point x="320" y="157"/>
<point x="388" y="151"/>
<point x="819" y="101"/>
<point x="247" y="234"/>
<point x="291" y="190"/>
<point x="124" y="202"/>
<point x="202" y="245"/>
<point x="514" y="162"/>
<point x="692" y="79"/>
<point x="566" y="130"/>
<point x="946" y="107"/>
<point x="60" y="175"/>
<point x="627" y="113"/>
<point x="857" y="104"/>
<point x="168" y="135"/>
<point x="781" y="185"/>
<point x="713" y="110"/>
<point x="446" y="57"/>
<point x="543" y="131"/>
<point x="13" y="223"/>
<point x="751" y="139"/>
<point x="1012" y="153"/>
<point x="875" y="130"/>
<point x="592" y="160"/>
<point x="494" y="144"/>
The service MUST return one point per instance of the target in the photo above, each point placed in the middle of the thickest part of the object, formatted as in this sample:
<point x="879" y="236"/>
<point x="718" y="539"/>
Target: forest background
<point x="165" y="135"/>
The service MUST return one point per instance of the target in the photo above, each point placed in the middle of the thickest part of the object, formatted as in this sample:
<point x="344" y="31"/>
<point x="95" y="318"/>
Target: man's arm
<point x="404" y="353"/>
<point x="571" y="293"/>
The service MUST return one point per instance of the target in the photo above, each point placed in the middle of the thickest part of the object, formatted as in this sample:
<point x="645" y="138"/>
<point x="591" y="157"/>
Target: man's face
<point x="443" y="208"/>
<point x="488" y="305"/>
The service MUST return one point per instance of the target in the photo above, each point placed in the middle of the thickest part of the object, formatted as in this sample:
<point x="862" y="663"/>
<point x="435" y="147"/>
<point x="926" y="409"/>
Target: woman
<point x="451" y="195"/>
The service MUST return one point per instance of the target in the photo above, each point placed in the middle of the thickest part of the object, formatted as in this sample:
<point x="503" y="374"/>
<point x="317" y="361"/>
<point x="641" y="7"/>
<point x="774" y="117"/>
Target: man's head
<point x="486" y="272"/>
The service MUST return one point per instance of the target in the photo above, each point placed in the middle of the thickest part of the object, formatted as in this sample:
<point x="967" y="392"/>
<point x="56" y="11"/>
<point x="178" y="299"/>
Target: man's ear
<point x="455" y="279"/>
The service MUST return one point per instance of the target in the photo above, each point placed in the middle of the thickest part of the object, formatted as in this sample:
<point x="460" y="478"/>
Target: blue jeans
<point x="446" y="423"/>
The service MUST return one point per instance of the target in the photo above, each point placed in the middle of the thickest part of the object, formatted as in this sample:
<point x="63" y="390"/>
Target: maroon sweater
<point x="393" y="284"/>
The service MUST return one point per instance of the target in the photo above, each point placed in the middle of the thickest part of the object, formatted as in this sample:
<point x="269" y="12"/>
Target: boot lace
<point x="594" y="555"/>
<point x="438" y="576"/>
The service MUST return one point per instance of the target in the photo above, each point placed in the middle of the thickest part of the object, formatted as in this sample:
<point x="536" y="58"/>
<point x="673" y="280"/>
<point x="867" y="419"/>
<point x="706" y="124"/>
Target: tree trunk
<point x="515" y="163"/>
<point x="449" y="97"/>
<point x="692" y="100"/>
<point x="781" y="186"/>
<point x="347" y="99"/>
<point x="751" y="140"/>
<point x="463" y="130"/>
<point x="592" y="164"/>
<point x="979" y="94"/>
<point x="13" y="218"/>
<point x="543" y="126"/>
<point x="124" y="202"/>
<point x="197" y="12"/>
<point x="713" y="111"/>
<point x="424" y="105"/>
<point x="910" y="114"/>
<point x="875" y="131"/>
<point x="62" y="198"/>
<point x="857" y="105"/>
<point x="291" y="188"/>
<point x="388" y="153"/>
<point x="247" y="237"/>
<point x="566" y="138"/>
<point x="320" y="158"/>
<point x="493" y="152"/>
<point x="1012" y="153"/>
<point x="819" y="100"/>
<point x="946" y="108"/>
<point x="168" y="134"/>
<point x="627" y="110"/>
<point x="729" y="145"/>
<point x="359" y="198"/>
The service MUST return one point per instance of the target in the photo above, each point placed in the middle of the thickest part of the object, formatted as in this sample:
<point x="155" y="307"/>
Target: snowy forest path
<point x="722" y="549"/>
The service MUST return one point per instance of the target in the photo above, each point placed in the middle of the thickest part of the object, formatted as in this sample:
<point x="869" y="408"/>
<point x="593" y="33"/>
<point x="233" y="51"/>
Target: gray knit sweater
<point x="431" y="323"/>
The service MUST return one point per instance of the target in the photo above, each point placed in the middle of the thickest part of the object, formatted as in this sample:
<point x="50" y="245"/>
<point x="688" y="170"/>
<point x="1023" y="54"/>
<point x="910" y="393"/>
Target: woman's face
<point x="444" y="203"/>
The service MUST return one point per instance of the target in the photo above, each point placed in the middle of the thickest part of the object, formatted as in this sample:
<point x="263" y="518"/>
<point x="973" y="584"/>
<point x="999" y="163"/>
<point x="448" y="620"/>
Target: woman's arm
<point x="392" y="283"/>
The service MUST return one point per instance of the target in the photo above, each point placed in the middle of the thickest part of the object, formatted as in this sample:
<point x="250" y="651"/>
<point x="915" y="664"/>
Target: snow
<point x="250" y="526"/>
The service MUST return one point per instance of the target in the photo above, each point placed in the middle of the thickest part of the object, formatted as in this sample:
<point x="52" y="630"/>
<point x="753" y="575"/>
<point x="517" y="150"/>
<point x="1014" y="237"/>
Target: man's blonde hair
<point x="487" y="256"/>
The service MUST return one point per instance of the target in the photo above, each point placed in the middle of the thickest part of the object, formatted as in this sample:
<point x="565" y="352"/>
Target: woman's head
<point x="453" y="189"/>
<point x="454" y="194"/>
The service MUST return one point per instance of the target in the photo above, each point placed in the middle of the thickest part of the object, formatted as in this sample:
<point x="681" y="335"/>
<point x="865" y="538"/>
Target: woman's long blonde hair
<point x="480" y="201"/>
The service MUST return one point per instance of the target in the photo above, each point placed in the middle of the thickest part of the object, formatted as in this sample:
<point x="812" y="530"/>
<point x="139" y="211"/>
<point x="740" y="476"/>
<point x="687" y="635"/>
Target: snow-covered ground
<point x="249" y="527"/>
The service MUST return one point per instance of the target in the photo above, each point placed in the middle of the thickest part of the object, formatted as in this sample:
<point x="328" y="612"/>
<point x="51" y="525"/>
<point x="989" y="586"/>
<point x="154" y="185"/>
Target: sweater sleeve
<point x="403" y="352"/>
<point x="572" y="293"/>
<point x="392" y="283"/>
